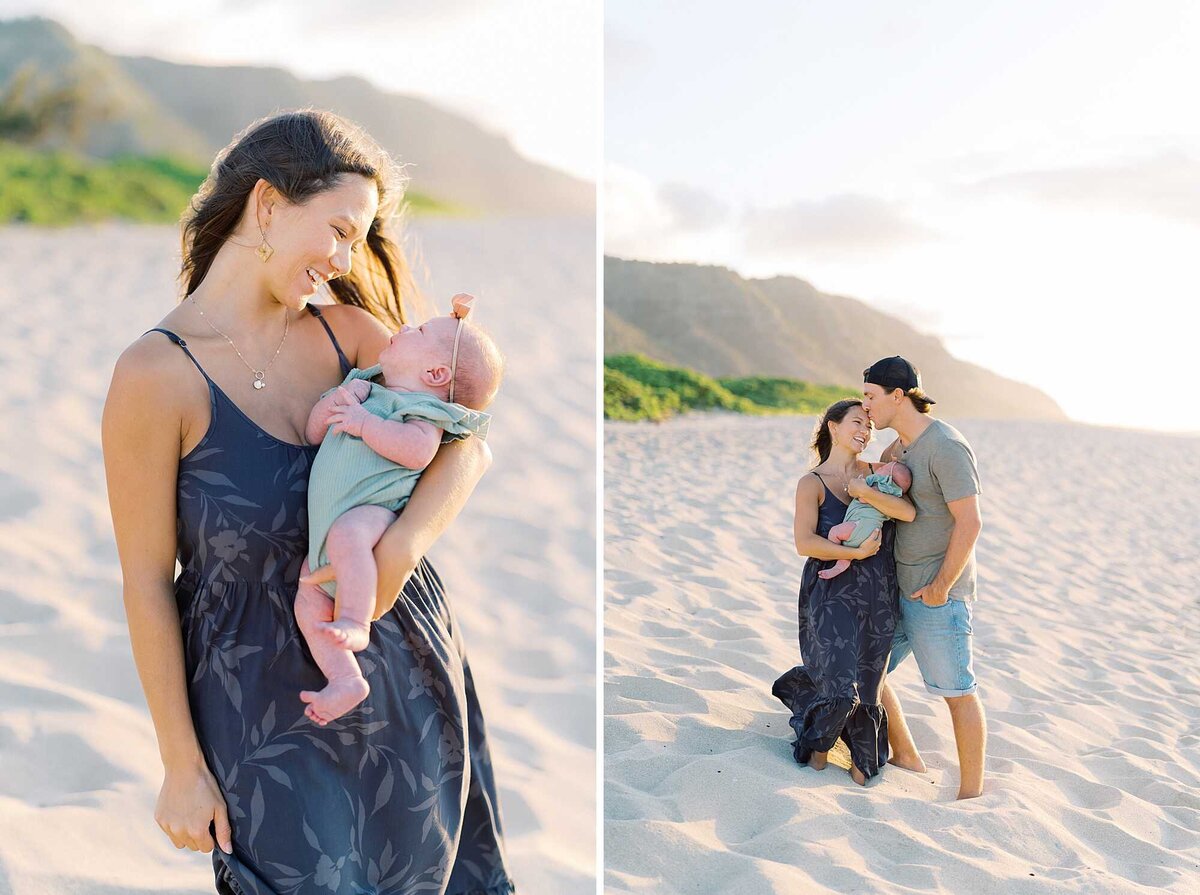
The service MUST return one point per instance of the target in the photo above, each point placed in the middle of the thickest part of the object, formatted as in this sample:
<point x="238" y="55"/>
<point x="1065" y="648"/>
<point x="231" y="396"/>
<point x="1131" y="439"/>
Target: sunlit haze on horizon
<point x="1020" y="179"/>
<point x="527" y="69"/>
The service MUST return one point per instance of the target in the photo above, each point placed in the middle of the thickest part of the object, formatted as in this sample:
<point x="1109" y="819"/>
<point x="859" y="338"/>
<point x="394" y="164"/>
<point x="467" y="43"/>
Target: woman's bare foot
<point x="339" y="696"/>
<point x="818" y="760"/>
<point x="912" y="762"/>
<point x="346" y="634"/>
<point x="857" y="776"/>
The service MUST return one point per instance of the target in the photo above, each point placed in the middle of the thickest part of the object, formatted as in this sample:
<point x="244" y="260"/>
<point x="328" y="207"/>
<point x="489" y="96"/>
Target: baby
<point x="862" y="519"/>
<point x="378" y="431"/>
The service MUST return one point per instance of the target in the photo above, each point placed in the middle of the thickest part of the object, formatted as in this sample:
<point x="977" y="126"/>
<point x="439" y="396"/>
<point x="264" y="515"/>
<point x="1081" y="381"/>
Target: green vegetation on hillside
<point x="57" y="188"/>
<point x="627" y="399"/>
<point x="638" y="388"/>
<point x="788" y="395"/>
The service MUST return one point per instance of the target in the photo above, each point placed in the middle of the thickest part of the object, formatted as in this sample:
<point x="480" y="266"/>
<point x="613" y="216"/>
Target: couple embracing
<point x="891" y="571"/>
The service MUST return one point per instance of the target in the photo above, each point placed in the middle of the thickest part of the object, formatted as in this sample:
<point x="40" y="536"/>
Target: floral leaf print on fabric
<point x="845" y="632"/>
<point x="394" y="797"/>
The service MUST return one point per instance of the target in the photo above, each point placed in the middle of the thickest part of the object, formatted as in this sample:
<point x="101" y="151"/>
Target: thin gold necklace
<point x="260" y="376"/>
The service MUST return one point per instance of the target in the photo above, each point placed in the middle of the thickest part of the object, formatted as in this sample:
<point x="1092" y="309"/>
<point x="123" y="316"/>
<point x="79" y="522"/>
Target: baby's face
<point x="416" y="349"/>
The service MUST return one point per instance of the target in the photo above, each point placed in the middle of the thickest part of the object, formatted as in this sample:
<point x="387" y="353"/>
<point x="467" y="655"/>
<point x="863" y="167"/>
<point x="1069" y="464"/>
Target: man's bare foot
<point x="339" y="696"/>
<point x="818" y="760"/>
<point x="346" y="634"/>
<point x="968" y="794"/>
<point x="857" y="776"/>
<point x="912" y="762"/>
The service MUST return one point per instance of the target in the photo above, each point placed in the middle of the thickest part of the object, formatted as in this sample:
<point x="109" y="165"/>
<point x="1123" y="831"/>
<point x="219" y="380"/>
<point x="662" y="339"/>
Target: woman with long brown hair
<point x="846" y="622"/>
<point x="207" y="462"/>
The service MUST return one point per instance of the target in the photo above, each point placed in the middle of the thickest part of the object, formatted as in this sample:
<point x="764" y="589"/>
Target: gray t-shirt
<point x="943" y="469"/>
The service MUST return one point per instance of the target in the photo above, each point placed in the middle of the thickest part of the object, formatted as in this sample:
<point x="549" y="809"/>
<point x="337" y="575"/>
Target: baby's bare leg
<point x="837" y="535"/>
<point x="350" y="544"/>
<point x="346" y="686"/>
<point x="335" y="630"/>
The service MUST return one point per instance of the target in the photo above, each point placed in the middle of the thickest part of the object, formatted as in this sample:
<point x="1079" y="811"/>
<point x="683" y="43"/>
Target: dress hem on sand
<point x="819" y="722"/>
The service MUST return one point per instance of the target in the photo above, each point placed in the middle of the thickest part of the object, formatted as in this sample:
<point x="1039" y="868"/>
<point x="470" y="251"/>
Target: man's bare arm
<point x="889" y="504"/>
<point x="968" y="523"/>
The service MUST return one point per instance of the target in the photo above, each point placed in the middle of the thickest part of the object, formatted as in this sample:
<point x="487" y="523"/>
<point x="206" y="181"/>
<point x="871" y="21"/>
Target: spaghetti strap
<point x="346" y="365"/>
<point x="182" y="344"/>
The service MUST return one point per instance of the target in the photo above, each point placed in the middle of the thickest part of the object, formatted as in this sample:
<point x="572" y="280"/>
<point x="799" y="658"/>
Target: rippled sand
<point x="1086" y="640"/>
<point x="79" y="768"/>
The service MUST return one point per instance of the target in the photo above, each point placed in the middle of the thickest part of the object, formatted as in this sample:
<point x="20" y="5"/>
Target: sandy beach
<point x="1085" y="651"/>
<point x="79" y="767"/>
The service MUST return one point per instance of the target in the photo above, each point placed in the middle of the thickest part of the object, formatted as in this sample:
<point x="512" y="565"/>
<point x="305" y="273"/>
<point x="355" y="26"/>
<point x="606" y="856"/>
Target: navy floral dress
<point x="846" y="627"/>
<point x="397" y="796"/>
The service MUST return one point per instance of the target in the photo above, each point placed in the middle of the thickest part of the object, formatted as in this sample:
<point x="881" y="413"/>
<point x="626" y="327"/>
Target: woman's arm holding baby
<point x="804" y="528"/>
<point x="439" y="496"/>
<point x="890" y="505"/>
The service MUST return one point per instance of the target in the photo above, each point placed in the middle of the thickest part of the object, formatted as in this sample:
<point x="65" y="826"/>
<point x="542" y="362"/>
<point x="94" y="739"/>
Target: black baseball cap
<point x="894" y="372"/>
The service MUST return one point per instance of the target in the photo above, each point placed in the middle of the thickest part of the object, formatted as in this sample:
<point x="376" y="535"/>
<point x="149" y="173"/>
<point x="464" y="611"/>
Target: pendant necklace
<point x="260" y="376"/>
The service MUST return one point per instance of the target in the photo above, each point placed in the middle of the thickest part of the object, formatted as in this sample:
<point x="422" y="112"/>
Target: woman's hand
<point x="188" y="803"/>
<point x="871" y="545"/>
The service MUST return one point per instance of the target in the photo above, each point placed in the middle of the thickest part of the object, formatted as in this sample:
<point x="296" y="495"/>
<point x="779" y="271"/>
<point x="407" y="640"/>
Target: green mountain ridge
<point x="142" y="106"/>
<point x="714" y="321"/>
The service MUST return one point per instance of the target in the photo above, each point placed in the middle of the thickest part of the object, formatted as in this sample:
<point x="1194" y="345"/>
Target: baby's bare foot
<point x="339" y="696"/>
<point x="346" y="634"/>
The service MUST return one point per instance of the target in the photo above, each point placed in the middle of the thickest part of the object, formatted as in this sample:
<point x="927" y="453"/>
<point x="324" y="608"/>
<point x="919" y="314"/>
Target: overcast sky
<point x="529" y="69"/>
<point x="1020" y="178"/>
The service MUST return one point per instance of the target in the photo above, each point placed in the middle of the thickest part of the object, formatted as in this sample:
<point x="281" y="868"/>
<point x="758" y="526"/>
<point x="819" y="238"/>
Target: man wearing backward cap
<point x="935" y="564"/>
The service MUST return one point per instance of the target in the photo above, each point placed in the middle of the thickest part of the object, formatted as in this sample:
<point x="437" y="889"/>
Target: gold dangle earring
<point x="265" y="250"/>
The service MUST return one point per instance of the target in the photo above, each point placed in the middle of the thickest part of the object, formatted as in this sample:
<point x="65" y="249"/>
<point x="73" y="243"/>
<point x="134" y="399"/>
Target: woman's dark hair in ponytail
<point x="301" y="154"/>
<point x="834" y="413"/>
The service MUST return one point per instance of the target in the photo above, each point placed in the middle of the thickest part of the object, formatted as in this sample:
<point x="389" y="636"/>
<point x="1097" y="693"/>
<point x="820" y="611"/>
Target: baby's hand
<point x="349" y="418"/>
<point x="857" y="487"/>
<point x="361" y="389"/>
<point x="347" y="394"/>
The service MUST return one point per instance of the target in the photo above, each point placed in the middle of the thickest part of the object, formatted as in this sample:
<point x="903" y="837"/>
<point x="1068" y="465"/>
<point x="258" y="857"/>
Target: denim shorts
<point x="940" y="638"/>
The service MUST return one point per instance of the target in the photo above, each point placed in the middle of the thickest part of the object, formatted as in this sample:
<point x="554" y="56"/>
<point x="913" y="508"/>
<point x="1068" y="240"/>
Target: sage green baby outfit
<point x="347" y="473"/>
<point x="865" y="517"/>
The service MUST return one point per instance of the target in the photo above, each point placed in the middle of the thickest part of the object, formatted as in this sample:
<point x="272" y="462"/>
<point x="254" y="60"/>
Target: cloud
<point x="635" y="216"/>
<point x="1166" y="185"/>
<point x="692" y="209"/>
<point x="623" y="56"/>
<point x="671" y="222"/>
<point x="846" y="222"/>
<point x="358" y="13"/>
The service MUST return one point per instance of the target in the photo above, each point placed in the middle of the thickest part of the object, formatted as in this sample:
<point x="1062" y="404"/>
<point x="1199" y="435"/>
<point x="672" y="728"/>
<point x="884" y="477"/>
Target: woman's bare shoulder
<point x="153" y="367"/>
<point x="810" y="487"/>
<point x="361" y="336"/>
<point x="152" y="353"/>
